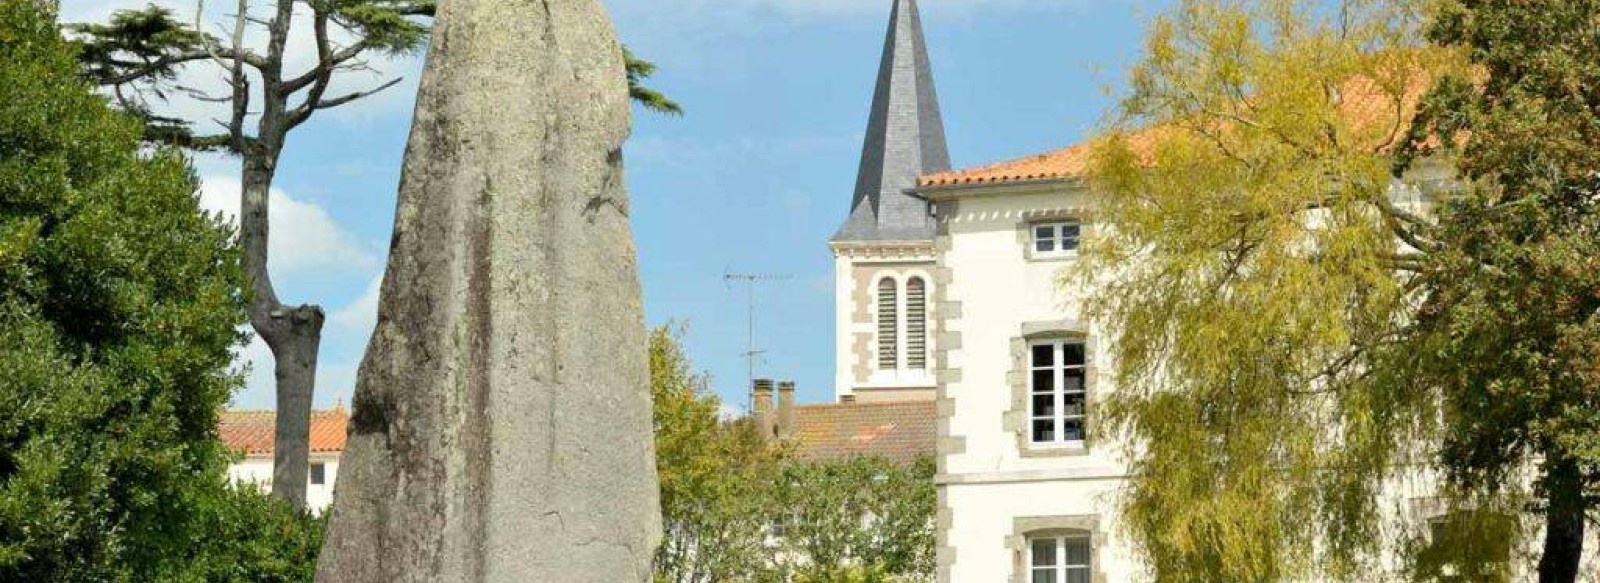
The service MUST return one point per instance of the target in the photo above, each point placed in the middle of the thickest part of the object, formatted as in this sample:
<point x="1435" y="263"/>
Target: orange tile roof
<point x="251" y="432"/>
<point x="1061" y="163"/>
<point x="1364" y="103"/>
<point x="899" y="432"/>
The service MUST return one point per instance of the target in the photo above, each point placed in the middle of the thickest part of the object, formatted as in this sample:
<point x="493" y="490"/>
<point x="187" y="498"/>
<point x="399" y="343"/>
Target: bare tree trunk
<point x="1564" y="522"/>
<point x="295" y="362"/>
<point x="294" y="334"/>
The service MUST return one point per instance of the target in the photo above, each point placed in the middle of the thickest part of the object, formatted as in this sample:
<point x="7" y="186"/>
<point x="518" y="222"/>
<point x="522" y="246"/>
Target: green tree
<point x="737" y="506"/>
<point x="1509" y="333"/>
<point x="846" y="575"/>
<point x="716" y="475"/>
<point x="140" y="54"/>
<point x="119" y="305"/>
<point x="858" y="519"/>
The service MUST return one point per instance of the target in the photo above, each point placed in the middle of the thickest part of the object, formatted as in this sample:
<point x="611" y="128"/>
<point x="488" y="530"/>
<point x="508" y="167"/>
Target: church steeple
<point x="905" y="139"/>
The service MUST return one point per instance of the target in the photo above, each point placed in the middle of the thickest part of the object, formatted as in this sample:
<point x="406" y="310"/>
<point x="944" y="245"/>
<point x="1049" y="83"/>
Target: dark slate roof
<point x="905" y="140"/>
<point x="900" y="431"/>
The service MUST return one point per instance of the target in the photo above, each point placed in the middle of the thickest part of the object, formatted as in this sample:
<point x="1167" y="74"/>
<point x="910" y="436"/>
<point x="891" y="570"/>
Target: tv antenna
<point x="751" y="353"/>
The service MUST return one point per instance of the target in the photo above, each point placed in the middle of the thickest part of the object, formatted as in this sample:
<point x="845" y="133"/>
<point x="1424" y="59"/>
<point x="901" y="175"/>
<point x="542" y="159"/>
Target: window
<point x="1056" y="239"/>
<point x="888" y="323"/>
<point x="902" y="321"/>
<point x="916" y="324"/>
<point x="319" y="474"/>
<point x="1056" y="392"/>
<point x="778" y="525"/>
<point x="1059" y="559"/>
<point x="1466" y="546"/>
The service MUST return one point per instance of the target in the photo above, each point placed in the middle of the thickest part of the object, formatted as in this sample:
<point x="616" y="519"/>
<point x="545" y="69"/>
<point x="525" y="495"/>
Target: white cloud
<point x="736" y="10"/>
<point x="348" y="330"/>
<point x="336" y="383"/>
<point x="694" y="152"/>
<point x="304" y="238"/>
<point x="690" y="37"/>
<point x="728" y="412"/>
<point x="99" y="10"/>
<point x="360" y="315"/>
<point x="874" y="7"/>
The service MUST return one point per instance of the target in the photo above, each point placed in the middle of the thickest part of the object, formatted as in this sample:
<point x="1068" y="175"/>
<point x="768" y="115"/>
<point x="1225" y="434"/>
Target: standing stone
<point x="501" y="427"/>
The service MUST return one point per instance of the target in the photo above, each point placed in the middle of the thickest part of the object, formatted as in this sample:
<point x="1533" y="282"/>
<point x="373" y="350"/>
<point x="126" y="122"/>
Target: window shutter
<point x="916" y="324"/>
<point x="888" y="319"/>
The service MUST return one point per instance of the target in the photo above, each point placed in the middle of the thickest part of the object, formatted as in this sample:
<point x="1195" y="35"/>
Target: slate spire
<point x="905" y="139"/>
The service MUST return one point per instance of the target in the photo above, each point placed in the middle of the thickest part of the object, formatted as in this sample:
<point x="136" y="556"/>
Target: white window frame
<point x="1058" y="565"/>
<point x="1059" y="415"/>
<point x="902" y="371"/>
<point x="1056" y="240"/>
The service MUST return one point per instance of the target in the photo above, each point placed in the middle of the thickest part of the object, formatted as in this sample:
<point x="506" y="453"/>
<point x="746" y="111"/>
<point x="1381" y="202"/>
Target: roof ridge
<point x="858" y="404"/>
<point x="1007" y="161"/>
<point x="1354" y="107"/>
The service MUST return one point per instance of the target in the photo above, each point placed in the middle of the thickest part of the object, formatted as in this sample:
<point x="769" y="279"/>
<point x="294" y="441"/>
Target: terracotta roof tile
<point x="251" y="432"/>
<point x="899" y="432"/>
<point x="1364" y="104"/>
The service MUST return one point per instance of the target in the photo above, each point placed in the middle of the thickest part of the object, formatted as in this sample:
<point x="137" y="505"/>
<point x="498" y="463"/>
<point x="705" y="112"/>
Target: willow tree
<point x="1254" y="255"/>
<point x="1313" y="294"/>
<point x="142" y="57"/>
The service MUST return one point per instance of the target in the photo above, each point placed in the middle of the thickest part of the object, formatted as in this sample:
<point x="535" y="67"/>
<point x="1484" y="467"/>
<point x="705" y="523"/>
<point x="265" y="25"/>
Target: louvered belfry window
<point x="916" y="324"/>
<point x="888" y="320"/>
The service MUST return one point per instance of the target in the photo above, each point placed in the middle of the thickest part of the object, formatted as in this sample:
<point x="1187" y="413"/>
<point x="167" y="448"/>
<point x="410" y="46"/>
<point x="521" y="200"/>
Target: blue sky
<point x="754" y="178"/>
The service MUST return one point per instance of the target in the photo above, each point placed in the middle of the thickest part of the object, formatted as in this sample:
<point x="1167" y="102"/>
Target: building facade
<point x="250" y="434"/>
<point x="946" y="294"/>
<point x="950" y="288"/>
<point x="1021" y="481"/>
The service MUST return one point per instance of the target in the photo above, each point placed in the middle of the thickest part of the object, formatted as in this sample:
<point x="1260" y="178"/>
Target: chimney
<point x="786" y="409"/>
<point x="766" y="419"/>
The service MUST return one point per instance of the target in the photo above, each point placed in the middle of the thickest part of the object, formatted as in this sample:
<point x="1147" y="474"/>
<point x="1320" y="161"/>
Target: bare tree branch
<point x="322" y="74"/>
<point x="327" y="62"/>
<point x="303" y="112"/>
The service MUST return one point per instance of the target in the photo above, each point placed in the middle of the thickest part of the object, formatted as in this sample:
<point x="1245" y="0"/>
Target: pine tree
<point x="139" y="54"/>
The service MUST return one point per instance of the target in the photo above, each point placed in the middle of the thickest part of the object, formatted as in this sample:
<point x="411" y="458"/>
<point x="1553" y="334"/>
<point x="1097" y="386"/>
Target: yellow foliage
<point x="1247" y="253"/>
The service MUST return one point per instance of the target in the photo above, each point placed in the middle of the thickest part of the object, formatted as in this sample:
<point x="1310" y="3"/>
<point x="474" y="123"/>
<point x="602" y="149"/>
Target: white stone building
<point x="250" y="433"/>
<point x="947" y="289"/>
<point x="946" y="292"/>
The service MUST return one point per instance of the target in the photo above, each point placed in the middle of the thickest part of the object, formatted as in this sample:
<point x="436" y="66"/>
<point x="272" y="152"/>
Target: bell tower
<point x="883" y="253"/>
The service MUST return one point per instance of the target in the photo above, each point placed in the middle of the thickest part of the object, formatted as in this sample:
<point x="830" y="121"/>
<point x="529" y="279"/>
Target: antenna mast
<point x="750" y="280"/>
